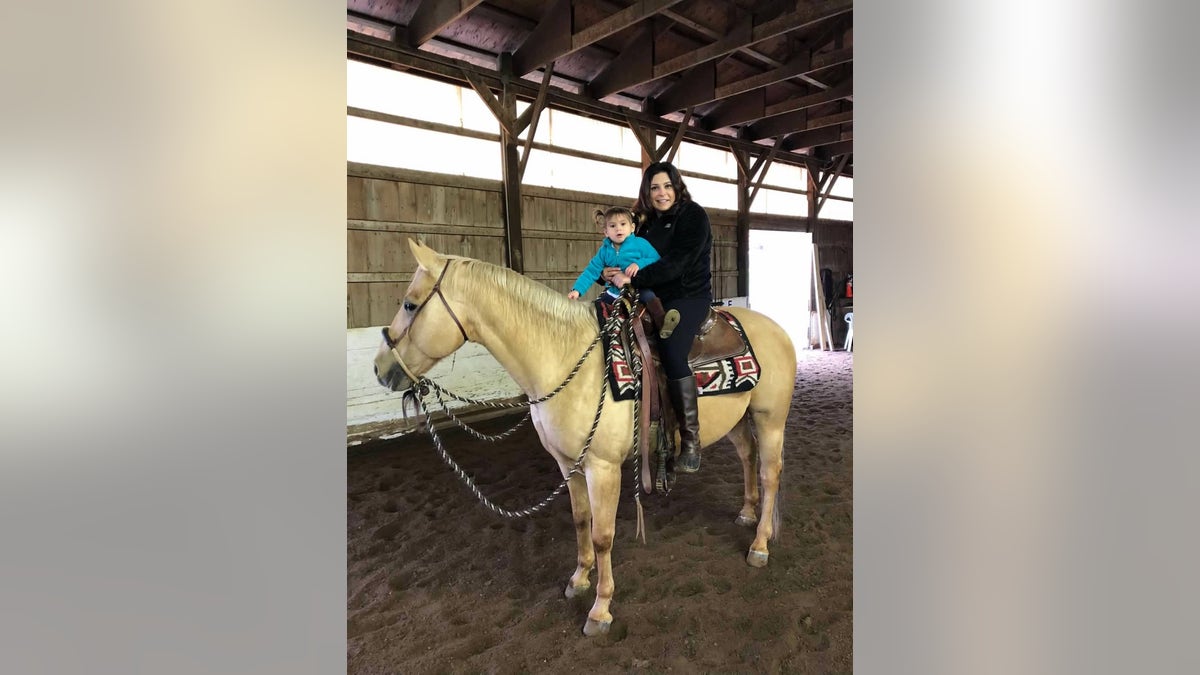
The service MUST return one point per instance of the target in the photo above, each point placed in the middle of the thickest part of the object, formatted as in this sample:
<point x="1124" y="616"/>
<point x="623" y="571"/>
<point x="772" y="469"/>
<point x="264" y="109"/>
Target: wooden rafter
<point x="808" y="139"/>
<point x="432" y="16"/>
<point x="698" y="85"/>
<point x="641" y="68"/>
<point x="555" y="35"/>
<point x="752" y="106"/>
<point x="835" y="149"/>
<point x="793" y="121"/>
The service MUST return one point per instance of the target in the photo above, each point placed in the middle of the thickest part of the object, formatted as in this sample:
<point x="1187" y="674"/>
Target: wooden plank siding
<point x="463" y="216"/>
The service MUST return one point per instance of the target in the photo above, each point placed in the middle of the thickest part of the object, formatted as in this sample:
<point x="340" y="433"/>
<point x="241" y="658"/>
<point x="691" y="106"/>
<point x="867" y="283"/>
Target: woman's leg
<point x="681" y="383"/>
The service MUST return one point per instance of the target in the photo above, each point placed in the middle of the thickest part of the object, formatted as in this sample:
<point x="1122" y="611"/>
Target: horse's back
<point x="772" y="346"/>
<point x="772" y="395"/>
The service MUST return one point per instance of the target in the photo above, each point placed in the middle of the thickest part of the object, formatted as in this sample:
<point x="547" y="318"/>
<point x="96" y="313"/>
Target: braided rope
<point x="526" y="512"/>
<point x="424" y="385"/>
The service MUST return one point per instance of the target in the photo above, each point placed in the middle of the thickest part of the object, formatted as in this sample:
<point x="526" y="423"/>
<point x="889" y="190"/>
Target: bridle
<point x="436" y="290"/>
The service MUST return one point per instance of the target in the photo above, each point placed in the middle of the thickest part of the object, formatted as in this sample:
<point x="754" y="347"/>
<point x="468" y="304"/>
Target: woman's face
<point x="662" y="192"/>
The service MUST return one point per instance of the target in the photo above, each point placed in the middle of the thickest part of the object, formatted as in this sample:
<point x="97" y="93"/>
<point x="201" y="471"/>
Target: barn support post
<point x="743" y="222"/>
<point x="510" y="169"/>
<point x="814" y="189"/>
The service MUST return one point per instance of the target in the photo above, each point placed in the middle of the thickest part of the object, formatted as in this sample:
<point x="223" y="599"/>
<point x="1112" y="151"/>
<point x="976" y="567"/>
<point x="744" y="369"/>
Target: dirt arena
<point x="438" y="583"/>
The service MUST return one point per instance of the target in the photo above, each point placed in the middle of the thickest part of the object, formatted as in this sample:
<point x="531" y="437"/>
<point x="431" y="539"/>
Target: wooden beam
<point x="550" y="39"/>
<point x="745" y="33"/>
<point x="811" y="197"/>
<point x="645" y="137"/>
<point x="835" y="149"/>
<point x="770" y="157"/>
<point x="366" y="169"/>
<point x="793" y="121"/>
<point x="555" y="34"/>
<point x="432" y="16"/>
<point x="747" y="106"/>
<point x="381" y="52"/>
<point x="698" y="85"/>
<point x="743" y="224"/>
<point x="635" y="60"/>
<point x="808" y="139"/>
<point x="841" y="91"/>
<point x="741" y="157"/>
<point x="490" y="100"/>
<point x="837" y="173"/>
<point x="535" y="113"/>
<point x="510" y="171"/>
<point x="683" y="125"/>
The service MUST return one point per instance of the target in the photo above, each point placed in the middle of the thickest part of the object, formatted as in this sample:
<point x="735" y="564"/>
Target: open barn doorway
<point x="781" y="279"/>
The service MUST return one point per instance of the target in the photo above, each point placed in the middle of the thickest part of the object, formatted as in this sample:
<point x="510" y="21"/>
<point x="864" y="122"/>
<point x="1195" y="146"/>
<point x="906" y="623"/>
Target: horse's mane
<point x="527" y="302"/>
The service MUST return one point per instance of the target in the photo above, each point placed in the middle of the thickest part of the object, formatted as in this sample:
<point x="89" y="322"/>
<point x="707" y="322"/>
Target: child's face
<point x="618" y="228"/>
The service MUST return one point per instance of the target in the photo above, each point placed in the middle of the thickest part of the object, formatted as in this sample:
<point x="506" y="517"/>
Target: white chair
<point x="849" y="346"/>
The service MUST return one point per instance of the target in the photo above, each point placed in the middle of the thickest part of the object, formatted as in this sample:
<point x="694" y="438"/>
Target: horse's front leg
<point x="604" y="488"/>
<point x="581" y="514"/>
<point x="742" y="438"/>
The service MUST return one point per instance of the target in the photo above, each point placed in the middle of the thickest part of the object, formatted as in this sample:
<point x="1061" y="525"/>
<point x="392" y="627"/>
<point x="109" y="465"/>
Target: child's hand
<point x="631" y="271"/>
<point x="573" y="295"/>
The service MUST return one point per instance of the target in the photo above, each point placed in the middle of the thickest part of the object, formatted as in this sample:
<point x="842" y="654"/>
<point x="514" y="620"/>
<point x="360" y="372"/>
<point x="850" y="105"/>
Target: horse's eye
<point x="410" y="306"/>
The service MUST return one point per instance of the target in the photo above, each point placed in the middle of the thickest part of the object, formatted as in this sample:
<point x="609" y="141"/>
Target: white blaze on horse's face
<point x="422" y="342"/>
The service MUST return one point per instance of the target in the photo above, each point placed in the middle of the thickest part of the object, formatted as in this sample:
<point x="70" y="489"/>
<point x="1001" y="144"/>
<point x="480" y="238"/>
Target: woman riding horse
<point x="678" y="228"/>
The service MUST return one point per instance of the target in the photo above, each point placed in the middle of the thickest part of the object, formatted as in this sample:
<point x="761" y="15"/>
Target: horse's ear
<point x="426" y="257"/>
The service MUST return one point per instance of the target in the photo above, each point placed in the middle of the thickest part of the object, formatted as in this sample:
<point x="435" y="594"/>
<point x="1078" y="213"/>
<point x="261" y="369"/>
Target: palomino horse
<point x="538" y="336"/>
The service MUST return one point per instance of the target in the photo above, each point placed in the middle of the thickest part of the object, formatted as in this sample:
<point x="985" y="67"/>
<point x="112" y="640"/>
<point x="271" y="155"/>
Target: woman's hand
<point x="608" y="272"/>
<point x="620" y="280"/>
<point x="573" y="295"/>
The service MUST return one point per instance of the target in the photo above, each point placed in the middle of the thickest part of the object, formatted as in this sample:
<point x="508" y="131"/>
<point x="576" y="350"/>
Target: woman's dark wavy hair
<point x="644" y="207"/>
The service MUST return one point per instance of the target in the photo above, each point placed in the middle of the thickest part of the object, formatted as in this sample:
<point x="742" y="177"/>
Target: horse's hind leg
<point x="742" y="437"/>
<point x="604" y="487"/>
<point x="581" y="514"/>
<point x="770" y="464"/>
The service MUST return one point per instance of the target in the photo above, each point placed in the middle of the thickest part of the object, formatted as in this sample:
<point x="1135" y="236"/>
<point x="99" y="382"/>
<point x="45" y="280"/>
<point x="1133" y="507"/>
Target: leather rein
<point x="436" y="290"/>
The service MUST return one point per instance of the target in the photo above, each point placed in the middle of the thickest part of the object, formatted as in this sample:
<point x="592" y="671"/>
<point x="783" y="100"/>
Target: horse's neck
<point x="538" y="351"/>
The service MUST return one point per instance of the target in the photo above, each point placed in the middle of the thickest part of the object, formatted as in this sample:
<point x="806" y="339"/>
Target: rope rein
<point x="423" y="386"/>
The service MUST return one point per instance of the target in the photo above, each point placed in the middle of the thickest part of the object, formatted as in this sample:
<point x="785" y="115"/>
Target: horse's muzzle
<point x="394" y="379"/>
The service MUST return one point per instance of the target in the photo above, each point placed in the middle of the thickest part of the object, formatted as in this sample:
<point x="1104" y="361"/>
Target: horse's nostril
<point x="376" y="371"/>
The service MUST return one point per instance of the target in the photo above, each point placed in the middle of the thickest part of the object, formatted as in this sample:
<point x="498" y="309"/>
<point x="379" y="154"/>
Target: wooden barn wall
<point x="463" y="216"/>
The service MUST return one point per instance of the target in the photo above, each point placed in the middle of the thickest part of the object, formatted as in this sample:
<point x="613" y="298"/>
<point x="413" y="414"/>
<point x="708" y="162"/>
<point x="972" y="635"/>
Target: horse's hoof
<point x="593" y="628"/>
<point x="756" y="559"/>
<point x="573" y="591"/>
<point x="746" y="522"/>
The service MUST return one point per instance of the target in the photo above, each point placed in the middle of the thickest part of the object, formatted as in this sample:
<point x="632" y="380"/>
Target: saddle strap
<point x="649" y="391"/>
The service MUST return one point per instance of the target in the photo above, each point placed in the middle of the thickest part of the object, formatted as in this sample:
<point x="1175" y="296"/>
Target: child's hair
<point x="603" y="216"/>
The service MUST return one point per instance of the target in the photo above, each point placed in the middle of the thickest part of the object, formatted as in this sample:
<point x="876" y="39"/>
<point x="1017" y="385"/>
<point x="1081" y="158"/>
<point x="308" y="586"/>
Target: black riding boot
<point x="683" y="398"/>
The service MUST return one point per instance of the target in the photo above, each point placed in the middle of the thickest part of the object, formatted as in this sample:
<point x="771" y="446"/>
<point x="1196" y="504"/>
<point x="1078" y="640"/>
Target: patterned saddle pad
<point x="735" y="373"/>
